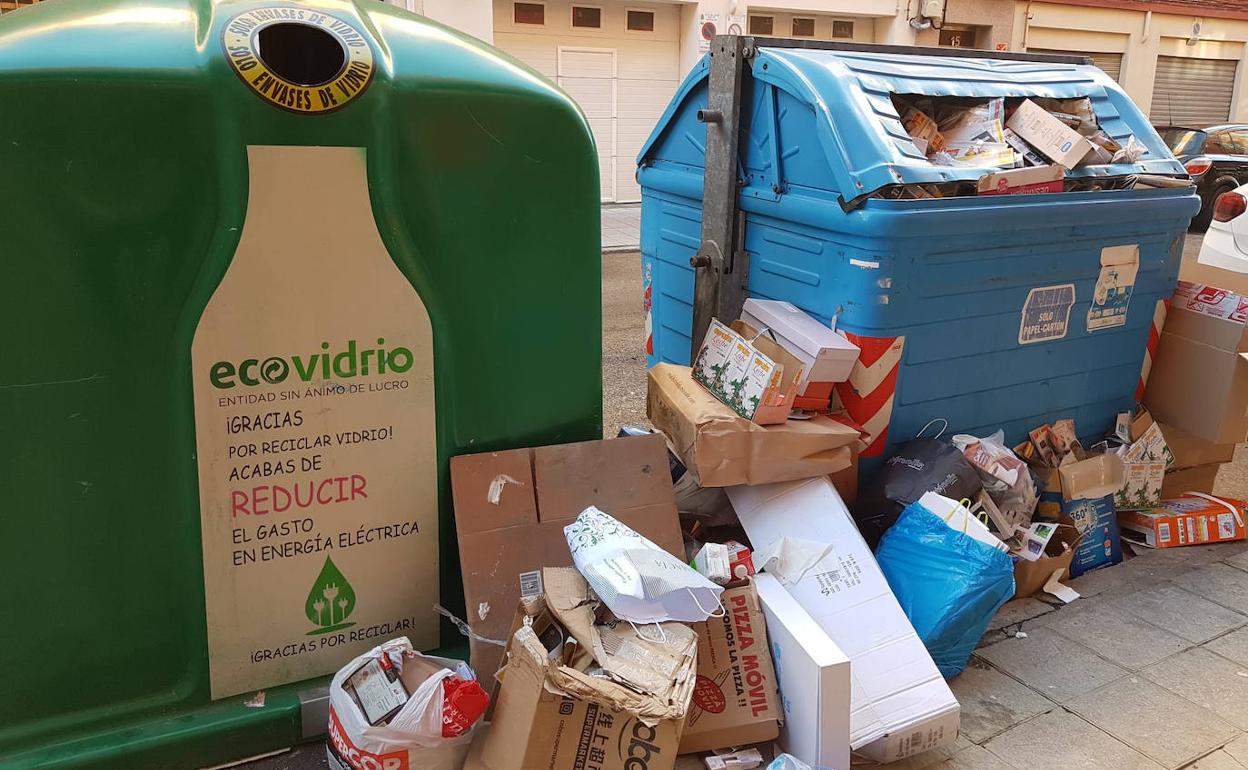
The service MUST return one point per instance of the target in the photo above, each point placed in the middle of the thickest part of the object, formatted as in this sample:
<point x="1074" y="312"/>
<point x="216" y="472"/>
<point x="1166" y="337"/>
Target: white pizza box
<point x="814" y="678"/>
<point x="828" y="356"/>
<point x="900" y="705"/>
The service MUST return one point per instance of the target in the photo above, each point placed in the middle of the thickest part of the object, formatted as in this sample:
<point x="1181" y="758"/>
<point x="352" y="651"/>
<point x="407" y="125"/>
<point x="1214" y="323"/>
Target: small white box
<point x="900" y="704"/>
<point x="828" y="356"/>
<point x="813" y="675"/>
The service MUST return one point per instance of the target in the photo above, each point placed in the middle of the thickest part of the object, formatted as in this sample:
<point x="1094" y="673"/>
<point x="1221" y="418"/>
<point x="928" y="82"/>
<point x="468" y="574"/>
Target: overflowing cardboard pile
<point x="577" y="681"/>
<point x="1032" y="141"/>
<point x="738" y="603"/>
<point x="575" y="686"/>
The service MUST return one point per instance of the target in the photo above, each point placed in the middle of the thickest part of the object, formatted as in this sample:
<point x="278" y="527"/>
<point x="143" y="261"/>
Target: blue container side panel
<point x="670" y="232"/>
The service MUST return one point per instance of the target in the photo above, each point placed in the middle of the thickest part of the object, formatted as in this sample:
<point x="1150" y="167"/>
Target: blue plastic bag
<point x="949" y="584"/>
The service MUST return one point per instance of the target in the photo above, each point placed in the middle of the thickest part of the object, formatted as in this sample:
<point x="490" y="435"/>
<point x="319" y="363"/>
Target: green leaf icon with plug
<point x="330" y="601"/>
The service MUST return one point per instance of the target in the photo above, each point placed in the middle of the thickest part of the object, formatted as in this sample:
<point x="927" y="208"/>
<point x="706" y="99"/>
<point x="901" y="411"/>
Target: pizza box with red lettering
<point x="735" y="700"/>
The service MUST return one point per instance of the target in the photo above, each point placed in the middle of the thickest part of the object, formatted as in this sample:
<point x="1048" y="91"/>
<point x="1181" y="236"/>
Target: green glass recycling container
<point x="265" y="268"/>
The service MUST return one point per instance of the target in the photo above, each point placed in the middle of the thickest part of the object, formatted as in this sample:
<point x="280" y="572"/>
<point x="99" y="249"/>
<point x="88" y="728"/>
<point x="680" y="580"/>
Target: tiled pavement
<point x="621" y="227"/>
<point x="1148" y="670"/>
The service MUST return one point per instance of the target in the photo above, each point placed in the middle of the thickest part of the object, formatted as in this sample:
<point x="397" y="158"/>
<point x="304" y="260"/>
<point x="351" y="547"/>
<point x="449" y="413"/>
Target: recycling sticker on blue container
<point x="1046" y="313"/>
<point x="1112" y="295"/>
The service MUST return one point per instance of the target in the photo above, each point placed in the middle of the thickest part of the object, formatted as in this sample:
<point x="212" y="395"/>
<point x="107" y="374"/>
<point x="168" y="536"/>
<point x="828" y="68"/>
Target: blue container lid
<point x="860" y="131"/>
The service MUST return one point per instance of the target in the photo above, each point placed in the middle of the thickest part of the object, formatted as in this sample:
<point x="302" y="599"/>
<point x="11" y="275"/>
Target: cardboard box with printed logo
<point x="1048" y="135"/>
<point x="747" y="370"/>
<point x="511" y="508"/>
<point x="1188" y="520"/>
<point x="735" y="700"/>
<point x="1088" y="489"/>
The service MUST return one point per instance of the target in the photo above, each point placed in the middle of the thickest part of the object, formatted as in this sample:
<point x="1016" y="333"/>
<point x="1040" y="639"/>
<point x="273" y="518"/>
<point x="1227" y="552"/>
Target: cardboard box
<point x="511" y="508"/>
<point x="1088" y="489"/>
<point x="846" y="481"/>
<point x="828" y="357"/>
<point x="1097" y="522"/>
<point x="1148" y="441"/>
<point x="900" y="704"/>
<point x="1035" y="179"/>
<point x="549" y="712"/>
<point x="923" y="131"/>
<point x="1030" y="576"/>
<point x="1187" y="520"/>
<point x="748" y="371"/>
<point x="1191" y="451"/>
<point x="1195" y="463"/>
<point x="1141" y="488"/>
<point x="1030" y="156"/>
<point x="735" y="700"/>
<point x="1146" y="459"/>
<point x="1208" y="269"/>
<point x="1094" y="477"/>
<point x="722" y="449"/>
<point x="1202" y="478"/>
<point x="1210" y="300"/>
<point x="814" y="677"/>
<point x="1051" y="137"/>
<point x="1199" y="377"/>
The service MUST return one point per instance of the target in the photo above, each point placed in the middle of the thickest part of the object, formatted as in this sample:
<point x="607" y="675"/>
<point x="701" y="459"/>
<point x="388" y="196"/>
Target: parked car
<point x="1217" y="159"/>
<point x="1226" y="242"/>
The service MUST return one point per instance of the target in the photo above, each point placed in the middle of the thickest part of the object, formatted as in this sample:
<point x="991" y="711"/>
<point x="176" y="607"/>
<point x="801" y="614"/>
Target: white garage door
<point x="1192" y="92"/>
<point x="589" y="77"/>
<point x="1110" y="63"/>
<point x="621" y="74"/>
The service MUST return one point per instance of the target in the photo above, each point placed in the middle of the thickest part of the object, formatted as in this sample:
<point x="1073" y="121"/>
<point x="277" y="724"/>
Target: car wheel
<point x="1200" y="222"/>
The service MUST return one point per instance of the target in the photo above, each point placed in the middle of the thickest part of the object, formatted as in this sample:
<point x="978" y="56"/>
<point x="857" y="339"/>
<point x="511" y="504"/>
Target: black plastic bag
<point x="921" y="465"/>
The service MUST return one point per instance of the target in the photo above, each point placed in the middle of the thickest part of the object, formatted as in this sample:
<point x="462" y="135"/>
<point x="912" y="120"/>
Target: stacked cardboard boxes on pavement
<point x="1198" y="384"/>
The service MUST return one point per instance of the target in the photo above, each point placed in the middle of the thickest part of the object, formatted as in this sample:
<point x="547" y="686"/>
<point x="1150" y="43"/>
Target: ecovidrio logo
<point x="326" y="365"/>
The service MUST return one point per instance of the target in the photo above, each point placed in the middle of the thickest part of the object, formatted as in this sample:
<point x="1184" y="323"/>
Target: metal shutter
<point x="1192" y="92"/>
<point x="1110" y="63"/>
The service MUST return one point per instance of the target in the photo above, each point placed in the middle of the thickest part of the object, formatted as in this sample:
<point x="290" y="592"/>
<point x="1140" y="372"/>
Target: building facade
<point x="1182" y="61"/>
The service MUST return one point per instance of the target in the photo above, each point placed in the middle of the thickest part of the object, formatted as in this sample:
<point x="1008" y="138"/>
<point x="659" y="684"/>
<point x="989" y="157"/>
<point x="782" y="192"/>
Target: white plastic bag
<point x="413" y="738"/>
<point x="960" y="519"/>
<point x="1131" y="152"/>
<point x="638" y="581"/>
<point x="1005" y="477"/>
